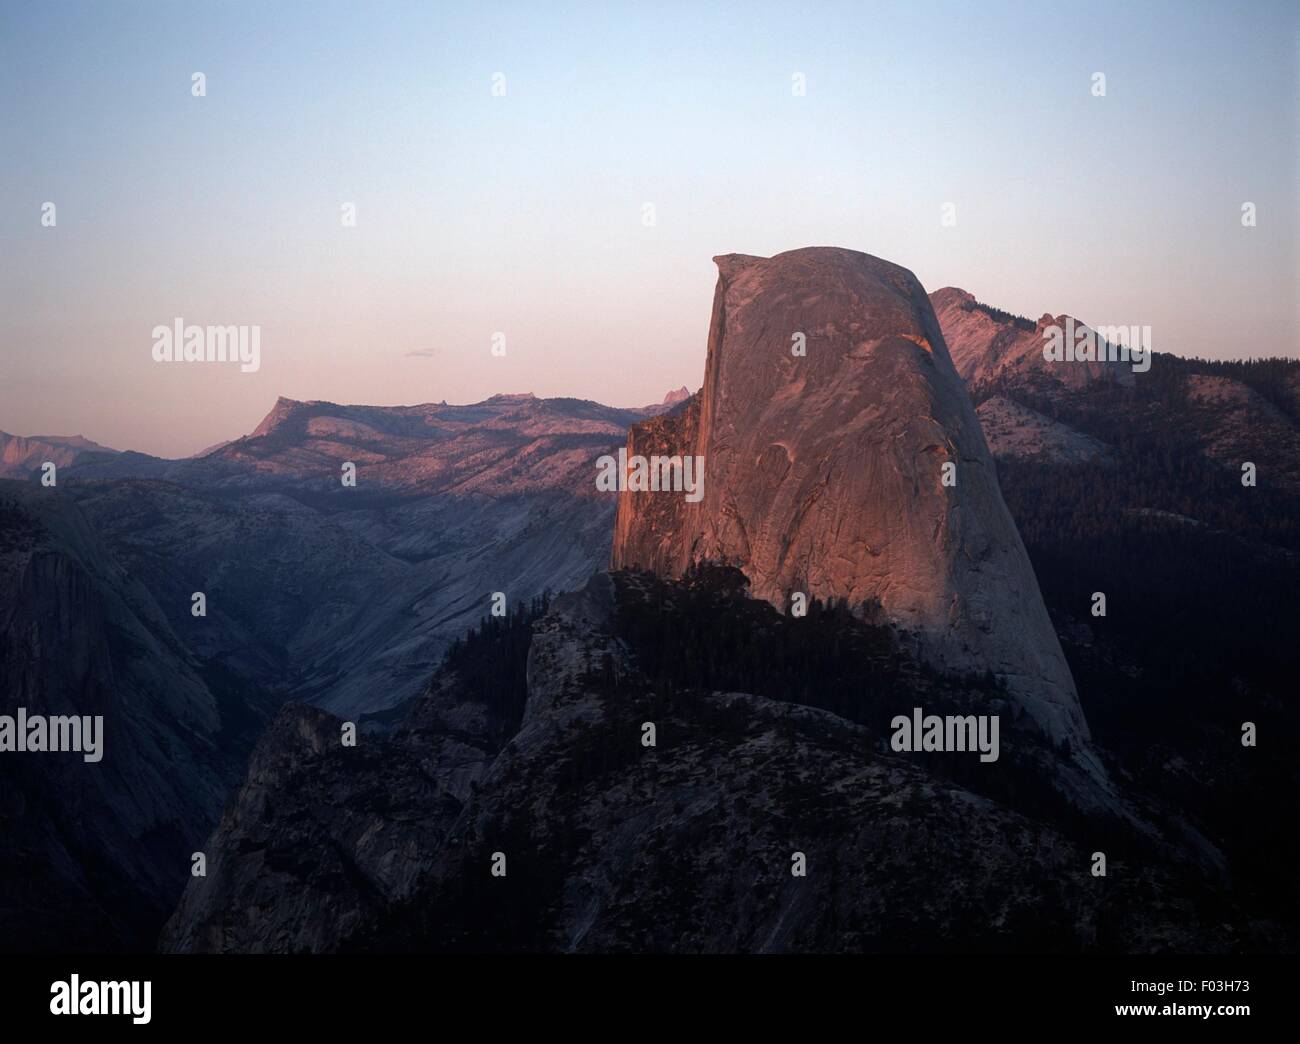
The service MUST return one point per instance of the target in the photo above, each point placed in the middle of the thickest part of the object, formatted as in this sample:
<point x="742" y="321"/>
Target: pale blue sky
<point x="522" y="213"/>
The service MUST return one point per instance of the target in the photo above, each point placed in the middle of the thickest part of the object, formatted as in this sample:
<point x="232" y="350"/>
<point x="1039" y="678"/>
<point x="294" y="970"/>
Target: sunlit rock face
<point x="987" y="344"/>
<point x="824" y="471"/>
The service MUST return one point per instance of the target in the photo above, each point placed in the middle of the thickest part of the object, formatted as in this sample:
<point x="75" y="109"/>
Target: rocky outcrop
<point x="318" y="841"/>
<point x="1015" y="431"/>
<point x="1230" y="413"/>
<point x="1236" y="424"/>
<point x="22" y="456"/>
<point x="825" y="472"/>
<point x="325" y="836"/>
<point x="987" y="344"/>
<point x="688" y="844"/>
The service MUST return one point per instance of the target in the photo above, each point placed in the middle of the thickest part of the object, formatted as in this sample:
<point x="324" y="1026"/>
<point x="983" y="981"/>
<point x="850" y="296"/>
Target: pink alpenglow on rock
<point x="829" y="410"/>
<point x="986" y="344"/>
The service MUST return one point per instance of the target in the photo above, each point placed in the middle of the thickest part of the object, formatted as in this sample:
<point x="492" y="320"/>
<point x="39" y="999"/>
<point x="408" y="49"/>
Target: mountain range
<point x="522" y="734"/>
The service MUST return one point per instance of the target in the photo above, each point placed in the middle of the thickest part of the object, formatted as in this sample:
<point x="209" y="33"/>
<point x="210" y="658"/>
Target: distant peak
<point x="68" y="441"/>
<point x="282" y="409"/>
<point x="674" y="397"/>
<point x="514" y="397"/>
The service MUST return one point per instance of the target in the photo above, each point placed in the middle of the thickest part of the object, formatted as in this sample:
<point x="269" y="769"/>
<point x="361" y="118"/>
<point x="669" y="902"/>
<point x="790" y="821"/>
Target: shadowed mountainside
<point x="92" y="854"/>
<point x="687" y="845"/>
<point x="347" y="597"/>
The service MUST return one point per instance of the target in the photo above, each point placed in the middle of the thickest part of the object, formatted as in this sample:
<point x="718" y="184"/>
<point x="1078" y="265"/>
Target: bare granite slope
<point x="824" y="473"/>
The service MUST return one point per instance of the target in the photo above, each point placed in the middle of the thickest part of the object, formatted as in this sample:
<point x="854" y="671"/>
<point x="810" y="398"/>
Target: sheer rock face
<point x="823" y="472"/>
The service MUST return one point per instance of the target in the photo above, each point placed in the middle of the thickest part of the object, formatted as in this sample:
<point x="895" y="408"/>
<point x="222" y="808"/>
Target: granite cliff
<point x="826" y="472"/>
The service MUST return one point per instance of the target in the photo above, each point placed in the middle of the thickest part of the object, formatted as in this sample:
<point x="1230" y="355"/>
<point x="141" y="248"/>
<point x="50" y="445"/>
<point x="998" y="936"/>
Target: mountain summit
<point x="826" y="472"/>
<point x="987" y="343"/>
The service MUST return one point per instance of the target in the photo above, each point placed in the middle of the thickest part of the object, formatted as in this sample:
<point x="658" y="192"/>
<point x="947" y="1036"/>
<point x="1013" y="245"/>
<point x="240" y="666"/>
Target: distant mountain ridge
<point x="451" y="503"/>
<point x="344" y="597"/>
<point x="21" y="455"/>
<point x="348" y="596"/>
<point x="986" y="343"/>
<point x="1228" y="411"/>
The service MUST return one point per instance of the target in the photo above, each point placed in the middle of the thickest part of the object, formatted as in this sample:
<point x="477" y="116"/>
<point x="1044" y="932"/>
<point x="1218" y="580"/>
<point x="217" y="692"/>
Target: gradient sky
<point x="522" y="213"/>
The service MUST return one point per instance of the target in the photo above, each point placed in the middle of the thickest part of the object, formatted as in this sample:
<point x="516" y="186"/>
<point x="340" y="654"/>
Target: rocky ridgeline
<point x="347" y="597"/>
<point x="986" y="343"/>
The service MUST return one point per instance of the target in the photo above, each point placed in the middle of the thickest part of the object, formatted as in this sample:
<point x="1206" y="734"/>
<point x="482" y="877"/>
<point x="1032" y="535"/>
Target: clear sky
<point x="523" y="213"/>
